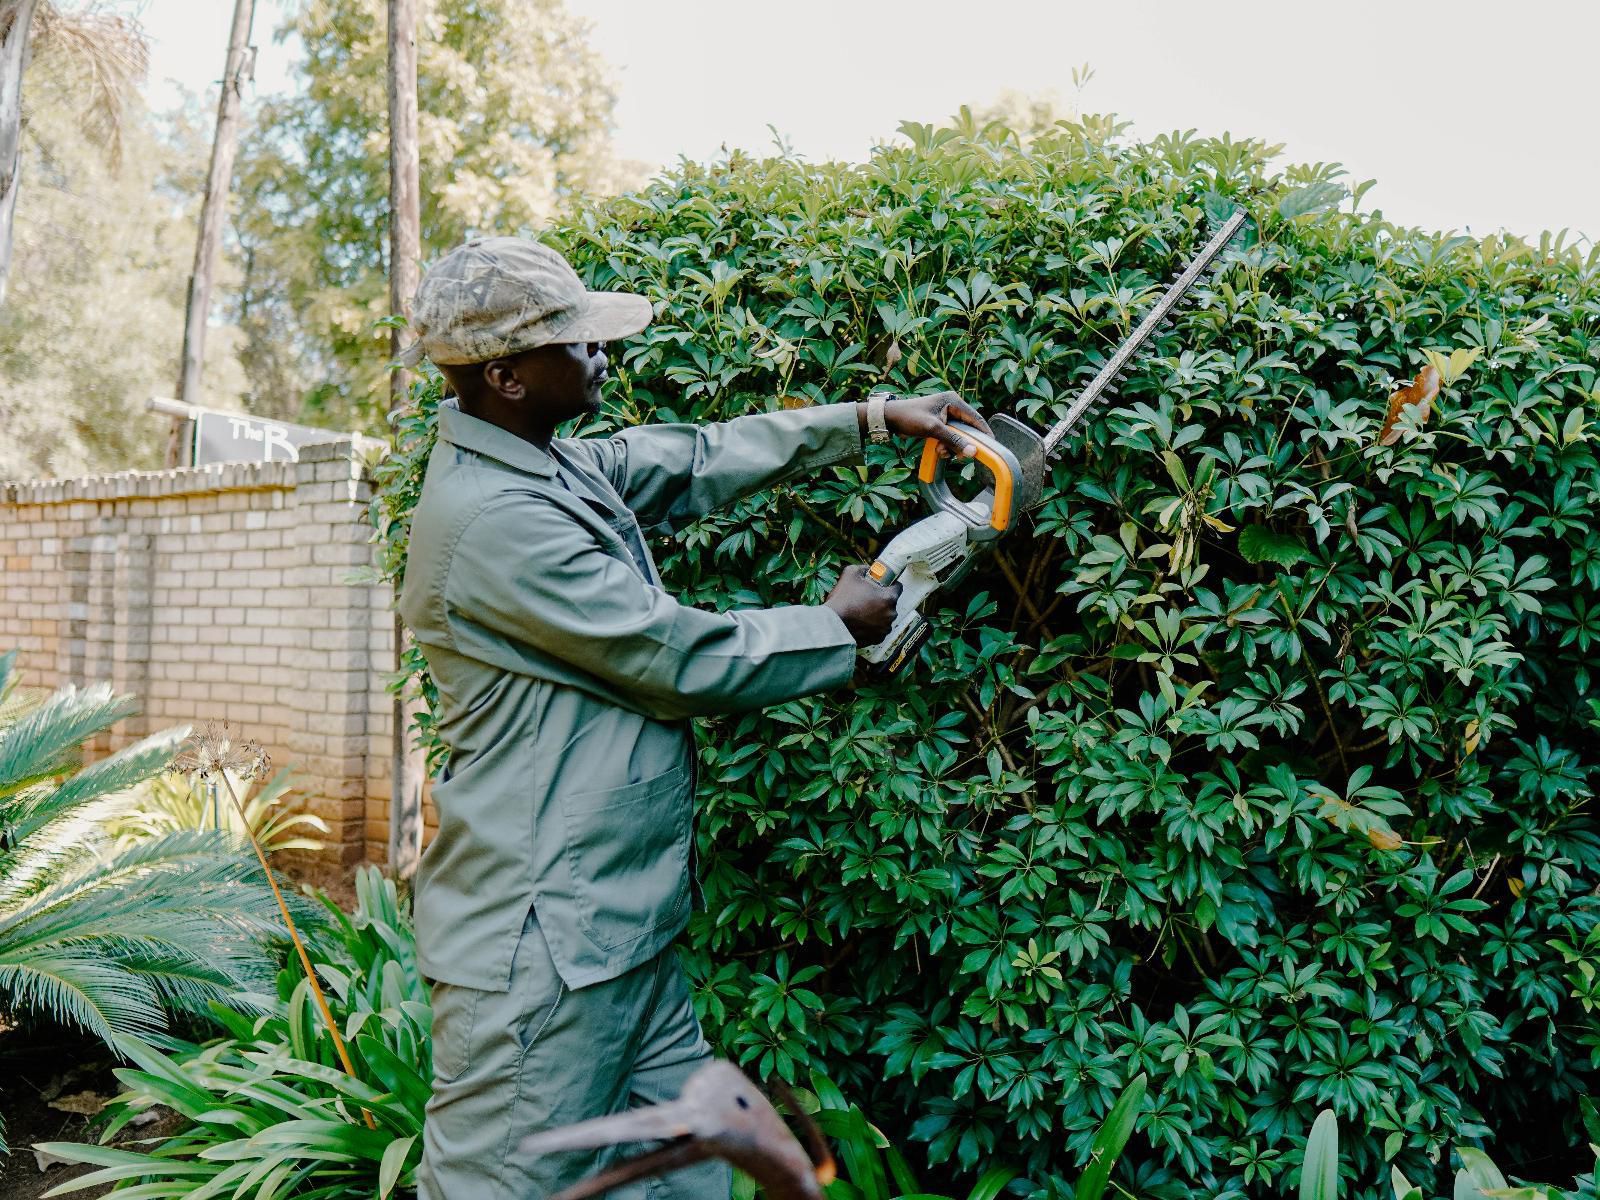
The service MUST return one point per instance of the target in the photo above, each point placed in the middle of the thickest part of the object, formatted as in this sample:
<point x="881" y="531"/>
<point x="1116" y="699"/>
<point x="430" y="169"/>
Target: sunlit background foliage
<point x="92" y="326"/>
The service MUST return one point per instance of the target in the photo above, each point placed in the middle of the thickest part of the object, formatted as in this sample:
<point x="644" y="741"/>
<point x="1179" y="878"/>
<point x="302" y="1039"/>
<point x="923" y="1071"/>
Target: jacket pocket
<point x="628" y="849"/>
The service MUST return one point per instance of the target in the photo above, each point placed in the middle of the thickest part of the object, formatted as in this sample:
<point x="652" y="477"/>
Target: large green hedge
<point x="1258" y="761"/>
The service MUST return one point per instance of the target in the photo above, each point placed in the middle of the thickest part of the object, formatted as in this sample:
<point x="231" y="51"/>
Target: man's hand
<point x="865" y="607"/>
<point x="929" y="416"/>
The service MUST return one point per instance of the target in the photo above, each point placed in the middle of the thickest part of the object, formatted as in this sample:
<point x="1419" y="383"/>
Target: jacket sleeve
<point x="671" y="474"/>
<point x="565" y="596"/>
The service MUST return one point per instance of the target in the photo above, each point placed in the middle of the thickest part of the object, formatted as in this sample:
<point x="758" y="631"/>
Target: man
<point x="567" y="678"/>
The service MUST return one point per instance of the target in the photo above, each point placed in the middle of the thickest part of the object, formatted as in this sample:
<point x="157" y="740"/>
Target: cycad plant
<point x="110" y="939"/>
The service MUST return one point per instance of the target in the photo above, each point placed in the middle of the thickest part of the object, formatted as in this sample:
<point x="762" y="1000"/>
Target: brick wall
<point x="239" y="592"/>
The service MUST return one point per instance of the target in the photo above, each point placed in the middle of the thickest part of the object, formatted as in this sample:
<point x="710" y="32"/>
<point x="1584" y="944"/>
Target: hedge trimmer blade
<point x="1154" y="320"/>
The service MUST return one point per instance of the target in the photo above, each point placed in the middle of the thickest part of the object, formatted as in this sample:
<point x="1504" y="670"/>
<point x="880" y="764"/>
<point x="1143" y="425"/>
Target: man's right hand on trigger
<point x="865" y="607"/>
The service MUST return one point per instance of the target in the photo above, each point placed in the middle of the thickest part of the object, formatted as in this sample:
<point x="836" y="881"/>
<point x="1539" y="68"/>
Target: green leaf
<point x="992" y="1182"/>
<point x="1319" y="1173"/>
<point x="1314" y="197"/>
<point x="1258" y="544"/>
<point x="393" y="1164"/>
<point x="1110" y="1140"/>
<point x="1591" y="1118"/>
<point x="1478" y="1175"/>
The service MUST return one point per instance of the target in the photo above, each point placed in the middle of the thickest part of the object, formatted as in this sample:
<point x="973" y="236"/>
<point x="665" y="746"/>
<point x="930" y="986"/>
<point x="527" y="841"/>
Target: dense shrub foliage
<point x="1259" y="761"/>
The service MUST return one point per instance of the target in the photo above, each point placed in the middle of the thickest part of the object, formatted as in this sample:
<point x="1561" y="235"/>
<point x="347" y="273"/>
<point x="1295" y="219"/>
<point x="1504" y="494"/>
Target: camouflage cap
<point x="493" y="297"/>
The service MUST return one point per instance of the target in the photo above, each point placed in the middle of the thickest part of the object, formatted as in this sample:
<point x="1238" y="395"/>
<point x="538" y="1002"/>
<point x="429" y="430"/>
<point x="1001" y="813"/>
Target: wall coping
<point x="183" y="481"/>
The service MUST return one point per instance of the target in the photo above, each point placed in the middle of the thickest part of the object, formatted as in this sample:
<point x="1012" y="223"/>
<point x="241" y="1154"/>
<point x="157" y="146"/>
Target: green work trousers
<point x="540" y="1055"/>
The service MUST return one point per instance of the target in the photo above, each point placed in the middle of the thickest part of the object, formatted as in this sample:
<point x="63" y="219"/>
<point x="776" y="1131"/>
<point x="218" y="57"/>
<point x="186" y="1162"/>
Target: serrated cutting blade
<point x="1101" y="384"/>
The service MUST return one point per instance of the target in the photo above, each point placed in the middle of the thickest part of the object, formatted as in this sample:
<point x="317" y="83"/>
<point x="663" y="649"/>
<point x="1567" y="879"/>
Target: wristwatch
<point x="877" y="429"/>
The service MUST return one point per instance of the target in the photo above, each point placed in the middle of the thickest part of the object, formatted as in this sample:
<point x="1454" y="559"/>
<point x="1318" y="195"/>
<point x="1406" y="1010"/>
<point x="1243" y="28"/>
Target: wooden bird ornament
<point x="720" y="1114"/>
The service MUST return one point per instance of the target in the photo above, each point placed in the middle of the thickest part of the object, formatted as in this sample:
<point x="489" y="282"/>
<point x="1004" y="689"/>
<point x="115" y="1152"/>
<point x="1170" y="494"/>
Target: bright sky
<point x="1473" y="115"/>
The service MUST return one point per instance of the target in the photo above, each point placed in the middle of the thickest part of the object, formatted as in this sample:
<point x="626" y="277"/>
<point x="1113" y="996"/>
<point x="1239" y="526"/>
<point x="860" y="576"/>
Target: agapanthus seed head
<point x="212" y="750"/>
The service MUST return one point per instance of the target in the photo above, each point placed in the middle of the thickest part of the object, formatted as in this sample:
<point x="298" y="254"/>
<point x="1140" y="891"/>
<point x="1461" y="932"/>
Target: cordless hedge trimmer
<point x="936" y="552"/>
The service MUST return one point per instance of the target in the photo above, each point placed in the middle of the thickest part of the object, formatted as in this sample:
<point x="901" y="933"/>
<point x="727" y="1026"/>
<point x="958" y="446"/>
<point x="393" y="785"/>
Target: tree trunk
<point x="16" y="22"/>
<point x="409" y="767"/>
<point x="214" y="208"/>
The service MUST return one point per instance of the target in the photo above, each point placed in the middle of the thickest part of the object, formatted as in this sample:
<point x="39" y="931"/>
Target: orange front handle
<point x="999" y="469"/>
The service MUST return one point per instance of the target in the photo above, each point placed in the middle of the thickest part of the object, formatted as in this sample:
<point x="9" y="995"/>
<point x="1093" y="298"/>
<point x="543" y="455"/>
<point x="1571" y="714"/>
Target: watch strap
<point x="877" y="427"/>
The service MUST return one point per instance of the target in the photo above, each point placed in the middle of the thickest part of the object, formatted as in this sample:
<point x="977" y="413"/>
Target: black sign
<point x="223" y="437"/>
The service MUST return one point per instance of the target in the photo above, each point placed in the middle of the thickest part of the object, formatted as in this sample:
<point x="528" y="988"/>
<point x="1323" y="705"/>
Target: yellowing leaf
<point x="790" y="401"/>
<point x="1217" y="523"/>
<point x="1470" y="742"/>
<point x="1572" y="429"/>
<point x="1516" y="887"/>
<point x="1454" y="365"/>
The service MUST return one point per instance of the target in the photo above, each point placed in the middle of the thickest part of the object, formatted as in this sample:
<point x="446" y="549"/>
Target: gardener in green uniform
<point x="567" y="678"/>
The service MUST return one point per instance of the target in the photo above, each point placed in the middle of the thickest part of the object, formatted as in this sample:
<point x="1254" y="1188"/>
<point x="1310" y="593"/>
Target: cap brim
<point x="608" y="317"/>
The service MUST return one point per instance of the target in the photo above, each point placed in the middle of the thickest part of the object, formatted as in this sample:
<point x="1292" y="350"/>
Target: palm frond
<point x="67" y="848"/>
<point x="195" y="871"/>
<point x="105" y="56"/>
<point x="117" y="773"/>
<point x="183" y="954"/>
<point x="81" y="988"/>
<point x="7" y="661"/>
<point x="42" y="808"/>
<point x="47" y="741"/>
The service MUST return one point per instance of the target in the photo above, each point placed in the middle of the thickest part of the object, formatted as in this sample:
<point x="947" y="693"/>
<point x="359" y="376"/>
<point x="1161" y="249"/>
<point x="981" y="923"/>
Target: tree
<point x="214" y="208"/>
<point x="16" y="29"/>
<point x="515" y="110"/>
<point x="94" y="321"/>
<point x="405" y="248"/>
<point x="104" y="51"/>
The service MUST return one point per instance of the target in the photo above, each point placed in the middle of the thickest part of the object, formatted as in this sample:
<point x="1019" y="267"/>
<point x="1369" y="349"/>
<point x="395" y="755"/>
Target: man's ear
<point x="500" y="377"/>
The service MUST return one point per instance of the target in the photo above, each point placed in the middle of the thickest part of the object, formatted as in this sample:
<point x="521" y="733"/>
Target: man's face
<point x="562" y="381"/>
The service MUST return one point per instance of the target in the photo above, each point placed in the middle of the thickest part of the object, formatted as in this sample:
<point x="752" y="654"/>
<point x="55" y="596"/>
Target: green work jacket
<point x="567" y="677"/>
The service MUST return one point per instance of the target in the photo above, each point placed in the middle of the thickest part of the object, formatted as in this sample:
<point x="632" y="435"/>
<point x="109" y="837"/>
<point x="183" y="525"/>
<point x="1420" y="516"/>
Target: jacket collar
<point x="479" y="436"/>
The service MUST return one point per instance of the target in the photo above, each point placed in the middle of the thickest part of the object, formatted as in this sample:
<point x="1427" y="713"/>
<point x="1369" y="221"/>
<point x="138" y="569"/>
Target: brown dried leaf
<point x="1384" y="839"/>
<point x="85" y="1104"/>
<point x="1421" y="391"/>
<point x="790" y="401"/>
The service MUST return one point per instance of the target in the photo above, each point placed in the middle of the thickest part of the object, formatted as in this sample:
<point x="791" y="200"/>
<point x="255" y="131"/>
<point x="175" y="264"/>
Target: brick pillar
<point x="332" y="651"/>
